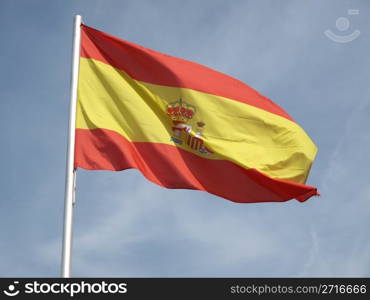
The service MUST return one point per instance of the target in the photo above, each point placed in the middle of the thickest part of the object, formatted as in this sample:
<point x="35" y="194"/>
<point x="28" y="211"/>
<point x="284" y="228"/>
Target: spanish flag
<point x="185" y="126"/>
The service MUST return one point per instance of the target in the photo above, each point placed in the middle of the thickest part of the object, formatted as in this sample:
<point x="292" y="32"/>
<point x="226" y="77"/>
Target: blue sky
<point x="127" y="226"/>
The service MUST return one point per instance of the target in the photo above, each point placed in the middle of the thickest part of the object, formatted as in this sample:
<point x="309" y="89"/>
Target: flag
<point x="184" y="125"/>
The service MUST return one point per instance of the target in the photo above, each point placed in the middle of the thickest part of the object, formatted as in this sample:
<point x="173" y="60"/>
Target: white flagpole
<point x="70" y="171"/>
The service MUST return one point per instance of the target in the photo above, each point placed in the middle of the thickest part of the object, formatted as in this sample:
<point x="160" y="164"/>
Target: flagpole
<point x="70" y="183"/>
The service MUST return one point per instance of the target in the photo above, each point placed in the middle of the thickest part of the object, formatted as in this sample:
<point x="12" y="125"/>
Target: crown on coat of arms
<point x="180" y="111"/>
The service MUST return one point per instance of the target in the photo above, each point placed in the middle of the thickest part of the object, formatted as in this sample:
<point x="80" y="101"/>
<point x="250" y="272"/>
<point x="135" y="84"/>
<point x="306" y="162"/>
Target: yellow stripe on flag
<point x="248" y="136"/>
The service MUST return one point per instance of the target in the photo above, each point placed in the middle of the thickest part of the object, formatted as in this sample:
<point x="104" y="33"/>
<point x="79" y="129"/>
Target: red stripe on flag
<point x="153" y="67"/>
<point x="172" y="167"/>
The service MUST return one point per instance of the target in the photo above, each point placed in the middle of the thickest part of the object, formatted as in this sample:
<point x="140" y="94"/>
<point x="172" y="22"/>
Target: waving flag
<point x="183" y="125"/>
